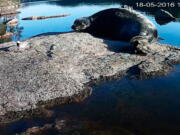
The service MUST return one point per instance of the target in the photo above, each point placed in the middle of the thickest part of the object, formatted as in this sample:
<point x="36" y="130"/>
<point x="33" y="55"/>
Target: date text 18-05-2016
<point x="158" y="4"/>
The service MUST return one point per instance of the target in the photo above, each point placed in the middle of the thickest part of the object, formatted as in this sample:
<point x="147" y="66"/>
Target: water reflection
<point x="55" y="24"/>
<point x="64" y="24"/>
<point x="71" y="3"/>
<point x="9" y="32"/>
<point x="122" y="107"/>
<point x="126" y="107"/>
<point x="27" y="29"/>
<point x="133" y="107"/>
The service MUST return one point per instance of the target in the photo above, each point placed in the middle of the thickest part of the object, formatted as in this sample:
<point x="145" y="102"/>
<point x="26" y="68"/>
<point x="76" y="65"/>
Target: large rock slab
<point x="59" y="68"/>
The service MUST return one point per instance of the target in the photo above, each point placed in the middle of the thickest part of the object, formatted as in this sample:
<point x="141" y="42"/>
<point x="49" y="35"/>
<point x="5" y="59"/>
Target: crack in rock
<point x="29" y="80"/>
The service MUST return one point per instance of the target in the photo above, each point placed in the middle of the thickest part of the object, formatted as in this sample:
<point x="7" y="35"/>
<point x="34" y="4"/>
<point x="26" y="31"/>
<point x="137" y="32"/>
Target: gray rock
<point x="163" y="17"/>
<point x="8" y="5"/>
<point x="57" y="69"/>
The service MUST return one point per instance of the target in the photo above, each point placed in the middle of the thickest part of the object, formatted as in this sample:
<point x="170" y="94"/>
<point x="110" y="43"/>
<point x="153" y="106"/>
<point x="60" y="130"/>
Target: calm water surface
<point x="122" y="107"/>
<point x="26" y="29"/>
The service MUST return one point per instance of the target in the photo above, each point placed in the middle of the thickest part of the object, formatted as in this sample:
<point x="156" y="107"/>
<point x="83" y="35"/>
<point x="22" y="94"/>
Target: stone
<point x="60" y="69"/>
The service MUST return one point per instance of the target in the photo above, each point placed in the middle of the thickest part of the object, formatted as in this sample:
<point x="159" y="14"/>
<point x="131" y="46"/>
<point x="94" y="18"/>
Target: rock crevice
<point x="47" y="68"/>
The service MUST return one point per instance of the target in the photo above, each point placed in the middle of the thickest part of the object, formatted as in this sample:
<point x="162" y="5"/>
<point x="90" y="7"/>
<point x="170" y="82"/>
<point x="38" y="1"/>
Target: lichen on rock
<point x="58" y="69"/>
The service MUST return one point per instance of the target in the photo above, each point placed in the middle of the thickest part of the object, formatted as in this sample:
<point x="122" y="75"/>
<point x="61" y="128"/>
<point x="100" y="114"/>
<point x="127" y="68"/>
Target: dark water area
<point x="119" y="107"/>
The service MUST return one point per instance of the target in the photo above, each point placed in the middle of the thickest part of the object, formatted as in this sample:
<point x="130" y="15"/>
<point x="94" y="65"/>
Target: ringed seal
<point x="122" y="24"/>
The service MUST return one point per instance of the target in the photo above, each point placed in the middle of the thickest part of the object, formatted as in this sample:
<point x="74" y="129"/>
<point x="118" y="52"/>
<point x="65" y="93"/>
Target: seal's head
<point x="81" y="24"/>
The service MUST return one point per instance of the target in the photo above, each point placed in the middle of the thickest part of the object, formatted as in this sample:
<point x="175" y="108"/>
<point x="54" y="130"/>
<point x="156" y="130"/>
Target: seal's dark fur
<point x="118" y="24"/>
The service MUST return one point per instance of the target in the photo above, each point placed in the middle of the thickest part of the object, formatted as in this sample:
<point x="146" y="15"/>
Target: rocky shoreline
<point x="8" y="5"/>
<point x="59" y="69"/>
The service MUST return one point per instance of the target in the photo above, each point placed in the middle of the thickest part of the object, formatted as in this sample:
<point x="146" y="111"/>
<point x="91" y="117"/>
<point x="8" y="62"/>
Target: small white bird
<point x="22" y="45"/>
<point x="18" y="43"/>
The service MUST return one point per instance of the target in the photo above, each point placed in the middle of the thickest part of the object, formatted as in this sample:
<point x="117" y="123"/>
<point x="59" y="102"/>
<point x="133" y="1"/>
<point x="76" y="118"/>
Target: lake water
<point x="121" y="107"/>
<point x="26" y="29"/>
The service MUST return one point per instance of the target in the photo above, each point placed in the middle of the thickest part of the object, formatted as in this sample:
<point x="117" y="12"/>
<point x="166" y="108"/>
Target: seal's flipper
<point x="135" y="41"/>
<point x="139" y="38"/>
<point x="138" y="42"/>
